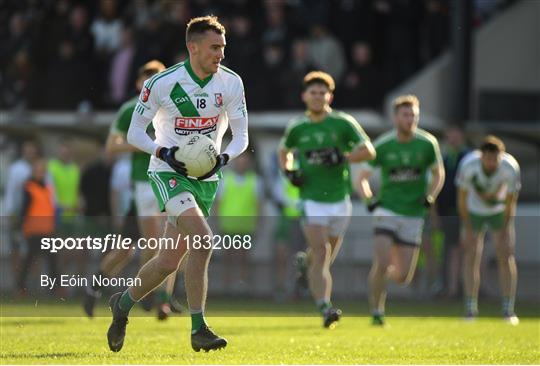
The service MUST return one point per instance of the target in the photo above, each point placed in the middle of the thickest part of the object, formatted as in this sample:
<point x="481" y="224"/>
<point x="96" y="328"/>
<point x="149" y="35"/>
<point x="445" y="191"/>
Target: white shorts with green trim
<point x="405" y="230"/>
<point x="334" y="215"/>
<point x="145" y="200"/>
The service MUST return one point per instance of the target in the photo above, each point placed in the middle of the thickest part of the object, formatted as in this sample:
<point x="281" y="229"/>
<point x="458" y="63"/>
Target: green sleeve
<point x="353" y="133"/>
<point x="435" y="152"/>
<point x="375" y="162"/>
<point x="289" y="138"/>
<point x="123" y="120"/>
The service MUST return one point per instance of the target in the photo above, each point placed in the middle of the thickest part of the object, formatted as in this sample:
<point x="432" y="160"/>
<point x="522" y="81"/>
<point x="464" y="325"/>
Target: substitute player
<point x="325" y="142"/>
<point x="198" y="96"/>
<point x="489" y="181"/>
<point x="405" y="155"/>
<point x="150" y="220"/>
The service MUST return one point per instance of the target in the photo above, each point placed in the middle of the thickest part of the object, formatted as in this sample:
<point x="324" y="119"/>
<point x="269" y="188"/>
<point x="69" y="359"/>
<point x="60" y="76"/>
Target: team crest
<point x="145" y="94"/>
<point x="172" y="182"/>
<point x="218" y="99"/>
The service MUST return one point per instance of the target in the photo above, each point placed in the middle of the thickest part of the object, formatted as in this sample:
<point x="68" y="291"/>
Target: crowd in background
<point x="83" y="55"/>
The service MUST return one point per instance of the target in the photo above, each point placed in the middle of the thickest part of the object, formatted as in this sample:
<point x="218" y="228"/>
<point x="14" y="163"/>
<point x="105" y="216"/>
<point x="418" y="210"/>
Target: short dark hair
<point x="150" y="68"/>
<point x="409" y="100"/>
<point x="319" y="77"/>
<point x="492" y="143"/>
<point x="198" y="26"/>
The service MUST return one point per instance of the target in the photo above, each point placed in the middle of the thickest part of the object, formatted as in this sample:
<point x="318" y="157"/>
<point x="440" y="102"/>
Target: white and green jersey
<point x="472" y="177"/>
<point x="179" y="104"/>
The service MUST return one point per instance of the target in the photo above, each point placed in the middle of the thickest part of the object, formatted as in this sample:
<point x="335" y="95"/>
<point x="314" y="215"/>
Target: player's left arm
<point x="361" y="147"/>
<point x="437" y="174"/>
<point x="514" y="185"/>
<point x="238" y="120"/>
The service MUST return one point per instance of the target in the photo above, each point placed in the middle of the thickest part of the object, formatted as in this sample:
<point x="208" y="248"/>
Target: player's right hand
<point x="295" y="177"/>
<point x="167" y="155"/>
<point x="372" y="204"/>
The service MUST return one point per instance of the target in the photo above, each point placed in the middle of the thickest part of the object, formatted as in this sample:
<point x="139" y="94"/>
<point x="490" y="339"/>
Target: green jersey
<point x="404" y="167"/>
<point x="311" y="141"/>
<point x="139" y="160"/>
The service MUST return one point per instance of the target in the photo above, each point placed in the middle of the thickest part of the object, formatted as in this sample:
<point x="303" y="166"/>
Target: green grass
<point x="282" y="335"/>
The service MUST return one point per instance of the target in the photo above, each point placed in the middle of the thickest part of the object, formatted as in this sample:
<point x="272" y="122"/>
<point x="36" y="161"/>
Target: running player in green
<point x="196" y="97"/>
<point x="325" y="142"/>
<point x="150" y="220"/>
<point x="405" y="156"/>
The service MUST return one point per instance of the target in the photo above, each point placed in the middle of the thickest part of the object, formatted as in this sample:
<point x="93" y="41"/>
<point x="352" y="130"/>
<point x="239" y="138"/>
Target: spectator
<point x="18" y="39"/>
<point x="275" y="31"/>
<point x="178" y="15"/>
<point x="18" y="173"/>
<point x="268" y="91"/>
<point x="448" y="219"/>
<point x="361" y="87"/>
<point x="436" y="28"/>
<point x="242" y="49"/>
<point x="397" y="21"/>
<point x="17" y="81"/>
<point x="150" y="40"/>
<point x="38" y="220"/>
<point x="107" y="32"/>
<point x="239" y="215"/>
<point x="95" y="188"/>
<point x="121" y="72"/>
<point x="351" y="20"/>
<point x="298" y="67"/>
<point x="326" y="53"/>
<point x="65" y="177"/>
<point x="107" y="28"/>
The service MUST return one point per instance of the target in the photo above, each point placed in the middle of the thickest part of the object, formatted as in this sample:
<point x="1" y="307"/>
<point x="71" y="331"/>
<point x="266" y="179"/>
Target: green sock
<point x="163" y="296"/>
<point x="508" y="305"/>
<point x="126" y="302"/>
<point x="377" y="313"/>
<point x="323" y="305"/>
<point x="471" y="305"/>
<point x="197" y="321"/>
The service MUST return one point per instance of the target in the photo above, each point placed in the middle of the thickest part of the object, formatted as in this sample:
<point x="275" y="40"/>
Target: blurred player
<point x="325" y="141"/>
<point x="198" y="96"/>
<point x="404" y="155"/>
<point x="150" y="220"/>
<point x="489" y="181"/>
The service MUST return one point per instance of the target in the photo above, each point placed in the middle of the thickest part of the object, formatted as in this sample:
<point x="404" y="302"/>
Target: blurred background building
<point x="66" y="65"/>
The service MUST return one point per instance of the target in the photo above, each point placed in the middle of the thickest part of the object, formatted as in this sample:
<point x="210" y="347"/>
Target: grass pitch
<point x="263" y="333"/>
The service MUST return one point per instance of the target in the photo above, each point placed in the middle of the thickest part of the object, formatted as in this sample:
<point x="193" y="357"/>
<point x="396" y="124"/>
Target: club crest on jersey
<point x="172" y="182"/>
<point x="145" y="94"/>
<point x="218" y="99"/>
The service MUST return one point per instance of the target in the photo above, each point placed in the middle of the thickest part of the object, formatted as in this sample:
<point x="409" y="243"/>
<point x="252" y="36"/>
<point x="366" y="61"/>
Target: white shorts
<point x="335" y="215"/>
<point x="145" y="200"/>
<point x="402" y="229"/>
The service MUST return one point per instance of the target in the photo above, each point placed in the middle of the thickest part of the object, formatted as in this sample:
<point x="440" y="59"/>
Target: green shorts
<point x="493" y="222"/>
<point x="166" y="185"/>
